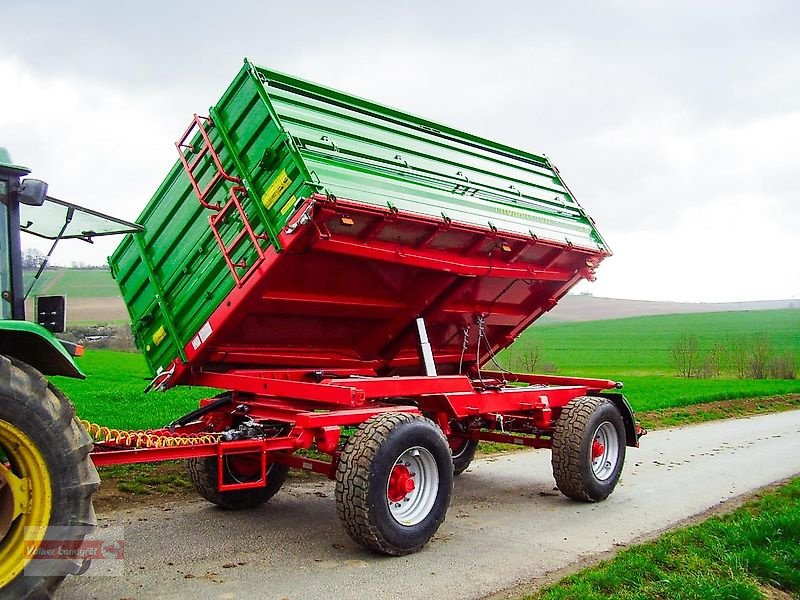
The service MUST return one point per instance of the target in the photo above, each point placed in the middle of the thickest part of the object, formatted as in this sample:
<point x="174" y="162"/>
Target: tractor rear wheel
<point x="588" y="449"/>
<point x="46" y="480"/>
<point x="241" y="468"/>
<point x="393" y="483"/>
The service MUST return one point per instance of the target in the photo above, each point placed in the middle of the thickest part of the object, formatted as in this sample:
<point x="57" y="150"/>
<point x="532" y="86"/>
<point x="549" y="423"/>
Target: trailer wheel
<point x="46" y="479"/>
<point x="588" y="449"/>
<point x="393" y="483"/>
<point x="203" y="472"/>
<point x="463" y="453"/>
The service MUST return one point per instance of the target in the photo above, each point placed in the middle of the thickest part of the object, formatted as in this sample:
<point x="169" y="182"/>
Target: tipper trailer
<point x="347" y="273"/>
<point x="334" y="263"/>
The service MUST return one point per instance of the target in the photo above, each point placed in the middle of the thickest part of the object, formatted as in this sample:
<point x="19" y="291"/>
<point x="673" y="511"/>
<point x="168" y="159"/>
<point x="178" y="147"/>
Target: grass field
<point x="637" y="350"/>
<point x="751" y="553"/>
<point x="74" y="283"/>
<point x="634" y="351"/>
<point x="112" y="393"/>
<point x="642" y="345"/>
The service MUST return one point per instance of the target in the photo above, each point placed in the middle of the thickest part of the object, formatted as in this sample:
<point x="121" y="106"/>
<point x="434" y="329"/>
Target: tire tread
<point x="353" y="474"/>
<point x="42" y="405"/>
<point x="567" y="456"/>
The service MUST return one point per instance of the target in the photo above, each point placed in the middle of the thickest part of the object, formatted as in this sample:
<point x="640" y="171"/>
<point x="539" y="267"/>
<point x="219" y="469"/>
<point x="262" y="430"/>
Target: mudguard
<point x="632" y="430"/>
<point x="34" y="345"/>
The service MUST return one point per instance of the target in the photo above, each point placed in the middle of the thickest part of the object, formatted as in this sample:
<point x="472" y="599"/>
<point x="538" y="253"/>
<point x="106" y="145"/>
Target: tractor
<point x="47" y="478"/>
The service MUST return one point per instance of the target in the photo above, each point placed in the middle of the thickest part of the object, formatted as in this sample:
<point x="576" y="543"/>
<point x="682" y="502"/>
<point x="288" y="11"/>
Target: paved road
<point x="505" y="526"/>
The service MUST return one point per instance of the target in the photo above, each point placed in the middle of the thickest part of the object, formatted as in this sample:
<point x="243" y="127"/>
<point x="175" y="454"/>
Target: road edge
<point x="534" y="585"/>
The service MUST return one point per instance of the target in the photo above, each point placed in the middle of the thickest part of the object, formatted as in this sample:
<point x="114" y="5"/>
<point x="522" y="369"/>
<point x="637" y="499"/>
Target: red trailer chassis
<point x="394" y="472"/>
<point x="313" y="409"/>
<point x="381" y="425"/>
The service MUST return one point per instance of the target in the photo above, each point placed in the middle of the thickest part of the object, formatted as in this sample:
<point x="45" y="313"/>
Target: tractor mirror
<point x="51" y="313"/>
<point x="33" y="192"/>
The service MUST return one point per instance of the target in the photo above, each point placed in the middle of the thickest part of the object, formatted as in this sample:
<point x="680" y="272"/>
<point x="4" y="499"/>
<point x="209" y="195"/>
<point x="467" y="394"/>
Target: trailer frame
<point x="504" y="407"/>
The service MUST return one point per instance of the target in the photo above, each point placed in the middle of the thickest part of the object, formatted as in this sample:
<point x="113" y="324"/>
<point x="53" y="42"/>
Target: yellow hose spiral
<point x="145" y="439"/>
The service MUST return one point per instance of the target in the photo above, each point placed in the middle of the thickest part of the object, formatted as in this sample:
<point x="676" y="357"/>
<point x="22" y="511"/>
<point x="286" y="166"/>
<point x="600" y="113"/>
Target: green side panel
<point x="363" y="151"/>
<point x="286" y="138"/>
<point x="173" y="275"/>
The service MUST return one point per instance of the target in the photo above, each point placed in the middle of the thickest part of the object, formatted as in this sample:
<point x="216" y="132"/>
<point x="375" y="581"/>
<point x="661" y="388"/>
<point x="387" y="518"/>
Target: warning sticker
<point x="205" y="331"/>
<point x="279" y="185"/>
<point x="202" y="335"/>
<point x="159" y="335"/>
<point x="289" y="205"/>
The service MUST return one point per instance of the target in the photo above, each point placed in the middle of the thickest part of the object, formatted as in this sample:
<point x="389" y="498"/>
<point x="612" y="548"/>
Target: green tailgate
<point x="286" y="139"/>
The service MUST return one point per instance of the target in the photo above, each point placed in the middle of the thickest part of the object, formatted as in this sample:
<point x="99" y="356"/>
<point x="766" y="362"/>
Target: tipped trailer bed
<point x="347" y="273"/>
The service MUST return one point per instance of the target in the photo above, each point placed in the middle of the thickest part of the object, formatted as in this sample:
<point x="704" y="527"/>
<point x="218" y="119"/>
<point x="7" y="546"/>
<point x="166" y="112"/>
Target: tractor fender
<point x="34" y="345"/>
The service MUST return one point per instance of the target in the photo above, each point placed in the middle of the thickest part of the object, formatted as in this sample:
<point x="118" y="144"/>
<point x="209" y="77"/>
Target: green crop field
<point x="634" y="351"/>
<point x="74" y="283"/>
<point x="641" y="345"/>
<point x="113" y="392"/>
<point x="637" y="351"/>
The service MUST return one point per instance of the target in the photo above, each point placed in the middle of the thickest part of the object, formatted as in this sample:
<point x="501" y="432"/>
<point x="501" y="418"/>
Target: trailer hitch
<point x="196" y="414"/>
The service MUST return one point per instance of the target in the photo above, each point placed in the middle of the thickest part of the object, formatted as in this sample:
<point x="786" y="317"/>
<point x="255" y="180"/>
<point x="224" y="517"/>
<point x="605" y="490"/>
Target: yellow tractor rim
<point x="26" y="499"/>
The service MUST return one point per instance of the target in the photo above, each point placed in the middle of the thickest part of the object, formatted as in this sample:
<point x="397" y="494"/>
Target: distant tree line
<point x="102" y="336"/>
<point x="746" y="357"/>
<point x="33" y="258"/>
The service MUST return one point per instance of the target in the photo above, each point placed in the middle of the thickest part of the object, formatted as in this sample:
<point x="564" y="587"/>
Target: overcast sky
<point x="676" y="124"/>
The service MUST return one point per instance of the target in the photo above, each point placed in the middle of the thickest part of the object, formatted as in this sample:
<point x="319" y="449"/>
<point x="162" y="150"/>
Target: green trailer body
<point x="286" y="139"/>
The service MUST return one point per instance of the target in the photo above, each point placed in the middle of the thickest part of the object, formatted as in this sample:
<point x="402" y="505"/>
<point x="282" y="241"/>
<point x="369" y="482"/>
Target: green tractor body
<point x="46" y="476"/>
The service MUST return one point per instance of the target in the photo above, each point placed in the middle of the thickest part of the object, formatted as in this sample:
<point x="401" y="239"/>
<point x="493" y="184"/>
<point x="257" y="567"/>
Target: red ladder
<point x="206" y="149"/>
<point x="192" y="157"/>
<point x="228" y="250"/>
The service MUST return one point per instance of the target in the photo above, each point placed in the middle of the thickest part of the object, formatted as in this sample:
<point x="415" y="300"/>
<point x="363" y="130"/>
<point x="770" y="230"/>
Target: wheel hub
<point x="597" y="449"/>
<point x="604" y="452"/>
<point x="412" y="486"/>
<point x="401" y="483"/>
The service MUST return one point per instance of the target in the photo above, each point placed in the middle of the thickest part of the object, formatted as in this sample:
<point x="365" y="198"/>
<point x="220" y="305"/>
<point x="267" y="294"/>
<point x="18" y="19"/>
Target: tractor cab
<point x="26" y="206"/>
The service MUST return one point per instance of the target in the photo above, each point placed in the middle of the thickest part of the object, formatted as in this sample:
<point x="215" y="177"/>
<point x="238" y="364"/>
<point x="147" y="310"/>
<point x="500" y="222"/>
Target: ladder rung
<point x="232" y="246"/>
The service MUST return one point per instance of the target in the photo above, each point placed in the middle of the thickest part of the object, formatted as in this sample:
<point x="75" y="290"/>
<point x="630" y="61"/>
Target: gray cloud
<point x="650" y="109"/>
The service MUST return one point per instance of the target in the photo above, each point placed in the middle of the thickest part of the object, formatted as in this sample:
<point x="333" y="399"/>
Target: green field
<point x="749" y="554"/>
<point x="637" y="351"/>
<point x="641" y="345"/>
<point x="113" y="392"/>
<point x="634" y="351"/>
<point x="74" y="283"/>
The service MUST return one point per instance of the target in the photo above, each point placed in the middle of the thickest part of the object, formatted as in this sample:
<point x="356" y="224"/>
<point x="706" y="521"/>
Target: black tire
<point x="203" y="473"/>
<point x="37" y="409"/>
<point x="463" y="455"/>
<point x="573" y="439"/>
<point x="363" y="474"/>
